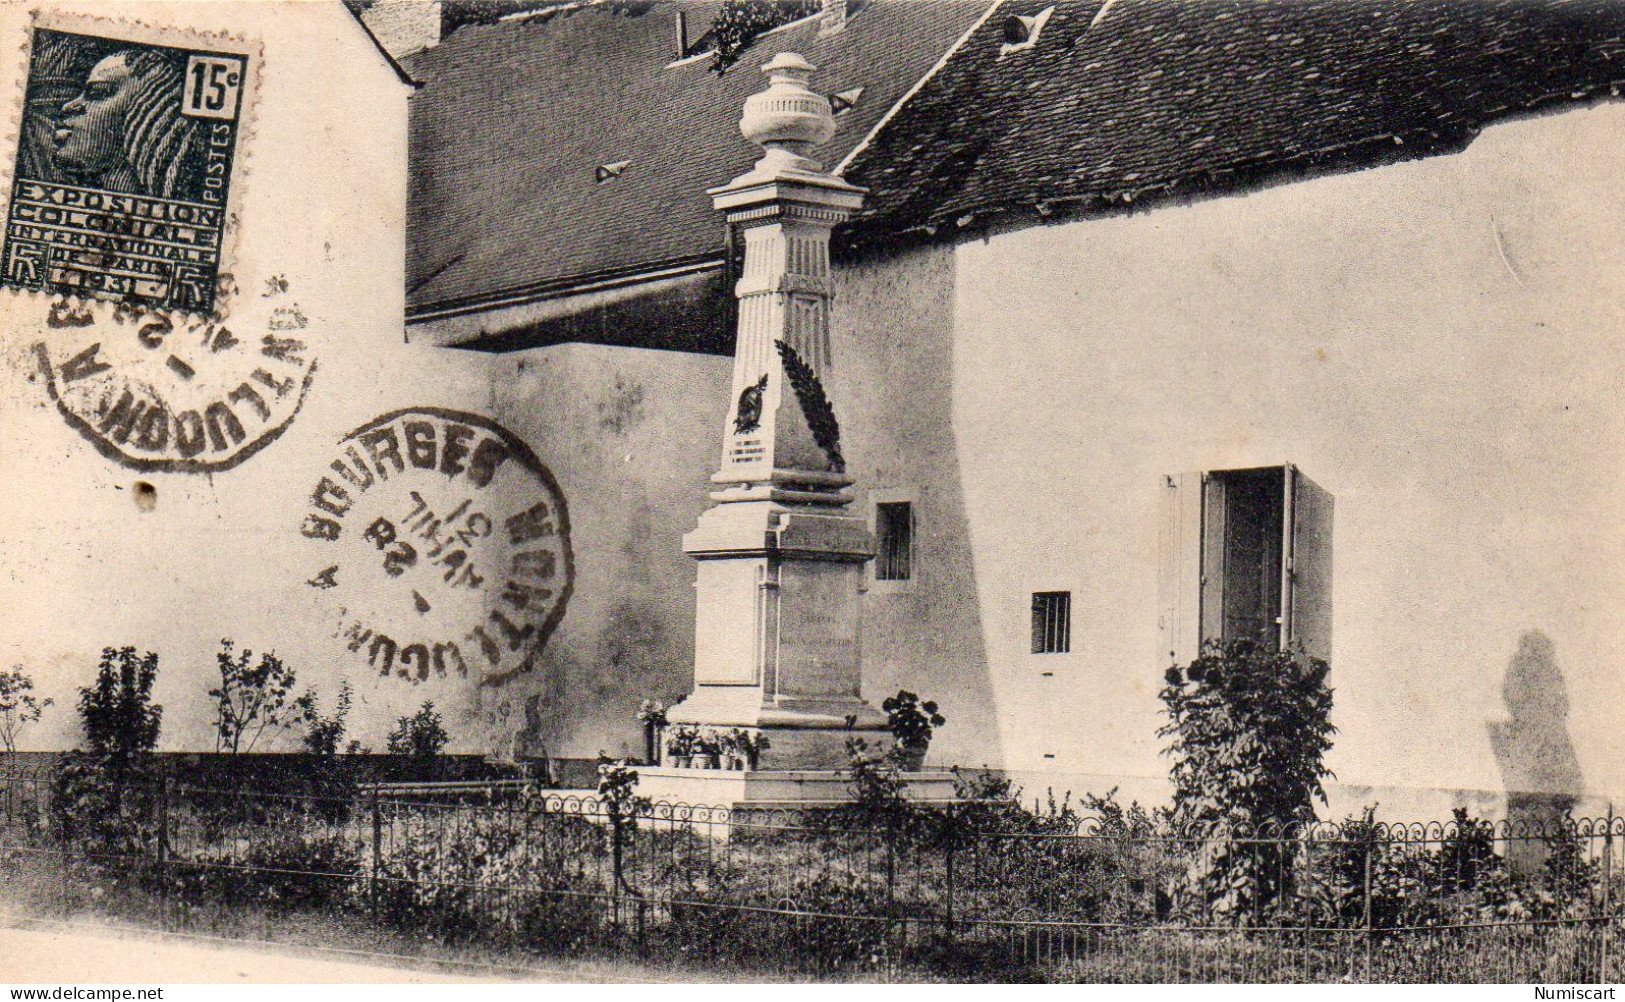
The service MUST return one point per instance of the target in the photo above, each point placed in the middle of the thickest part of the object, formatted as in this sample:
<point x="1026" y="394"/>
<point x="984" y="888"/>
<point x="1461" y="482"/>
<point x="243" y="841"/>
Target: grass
<point x="508" y="890"/>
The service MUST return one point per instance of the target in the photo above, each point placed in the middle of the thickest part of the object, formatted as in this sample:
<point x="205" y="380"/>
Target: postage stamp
<point x="443" y="545"/>
<point x="125" y="162"/>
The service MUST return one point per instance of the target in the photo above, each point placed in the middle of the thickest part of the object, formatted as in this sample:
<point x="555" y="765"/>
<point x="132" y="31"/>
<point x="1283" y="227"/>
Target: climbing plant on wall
<point x="738" y="22"/>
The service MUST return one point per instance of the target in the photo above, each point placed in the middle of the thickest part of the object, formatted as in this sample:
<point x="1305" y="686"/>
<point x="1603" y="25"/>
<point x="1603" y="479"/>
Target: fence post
<point x="163" y="845"/>
<point x="953" y="842"/>
<point x="1607" y="895"/>
<point x="377" y="846"/>
<point x="1370" y="854"/>
<point x="615" y="876"/>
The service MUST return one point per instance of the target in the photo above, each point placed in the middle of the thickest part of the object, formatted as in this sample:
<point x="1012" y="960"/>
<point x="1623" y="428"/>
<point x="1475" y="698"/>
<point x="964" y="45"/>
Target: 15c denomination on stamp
<point x="443" y="546"/>
<point x="124" y="168"/>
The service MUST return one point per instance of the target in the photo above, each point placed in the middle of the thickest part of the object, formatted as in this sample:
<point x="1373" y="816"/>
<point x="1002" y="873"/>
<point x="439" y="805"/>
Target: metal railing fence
<point x="983" y="891"/>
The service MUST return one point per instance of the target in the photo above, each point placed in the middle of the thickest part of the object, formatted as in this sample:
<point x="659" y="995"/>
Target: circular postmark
<point x="166" y="392"/>
<point x="443" y="544"/>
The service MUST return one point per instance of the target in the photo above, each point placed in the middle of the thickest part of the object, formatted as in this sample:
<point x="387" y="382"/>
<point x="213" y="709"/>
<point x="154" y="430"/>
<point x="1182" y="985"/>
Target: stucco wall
<point x="1434" y="342"/>
<point x="627" y="434"/>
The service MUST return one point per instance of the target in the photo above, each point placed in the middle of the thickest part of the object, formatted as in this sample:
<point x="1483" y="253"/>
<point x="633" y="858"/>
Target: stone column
<point x="780" y="558"/>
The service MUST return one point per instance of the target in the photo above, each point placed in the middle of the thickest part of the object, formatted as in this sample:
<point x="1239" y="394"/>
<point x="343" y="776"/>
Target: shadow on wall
<point x="1539" y="770"/>
<point x="895" y="363"/>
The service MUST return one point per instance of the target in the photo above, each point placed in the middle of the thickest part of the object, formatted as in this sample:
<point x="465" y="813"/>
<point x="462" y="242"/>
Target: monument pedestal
<point x="776" y="630"/>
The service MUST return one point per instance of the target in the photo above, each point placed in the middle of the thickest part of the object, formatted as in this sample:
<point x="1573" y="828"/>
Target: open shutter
<point x="1215" y="513"/>
<point x="1307" y="596"/>
<point x="1179" y="573"/>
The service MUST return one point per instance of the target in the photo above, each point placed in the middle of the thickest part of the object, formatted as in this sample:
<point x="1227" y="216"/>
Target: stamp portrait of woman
<point x="124" y="130"/>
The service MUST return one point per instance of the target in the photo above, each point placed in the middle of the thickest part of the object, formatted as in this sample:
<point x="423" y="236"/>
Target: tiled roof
<point x="515" y="119"/>
<point x="1160" y="97"/>
<point x="1151" y="98"/>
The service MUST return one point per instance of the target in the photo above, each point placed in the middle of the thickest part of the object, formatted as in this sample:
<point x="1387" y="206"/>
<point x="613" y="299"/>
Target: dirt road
<point x="87" y="956"/>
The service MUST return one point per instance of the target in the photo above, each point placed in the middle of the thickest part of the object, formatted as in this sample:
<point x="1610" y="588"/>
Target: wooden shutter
<point x="1179" y="573"/>
<point x="1215" y="514"/>
<point x="1306" y="599"/>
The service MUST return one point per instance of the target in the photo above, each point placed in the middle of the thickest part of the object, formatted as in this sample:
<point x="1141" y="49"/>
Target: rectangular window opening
<point x="894" y="541"/>
<point x="1052" y="622"/>
<point x="1247" y="568"/>
<point x="1245" y="554"/>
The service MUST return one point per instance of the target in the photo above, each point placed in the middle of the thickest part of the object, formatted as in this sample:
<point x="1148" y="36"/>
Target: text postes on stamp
<point x="170" y="393"/>
<point x="443" y="544"/>
<point x="124" y="169"/>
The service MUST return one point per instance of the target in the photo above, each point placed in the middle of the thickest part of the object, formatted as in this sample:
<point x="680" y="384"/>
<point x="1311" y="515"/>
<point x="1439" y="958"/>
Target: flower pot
<point x="734" y="762"/>
<point x="681" y="761"/>
<point x="910" y="759"/>
<point x="706" y="762"/>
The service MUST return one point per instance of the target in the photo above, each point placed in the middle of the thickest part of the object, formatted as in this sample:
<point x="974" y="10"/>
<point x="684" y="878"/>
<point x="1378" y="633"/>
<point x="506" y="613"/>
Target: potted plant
<point x="733" y="751"/>
<point x="652" y="714"/>
<point x="911" y="723"/>
<point x="751" y="745"/>
<point x="707" y="751"/>
<point x="680" y="745"/>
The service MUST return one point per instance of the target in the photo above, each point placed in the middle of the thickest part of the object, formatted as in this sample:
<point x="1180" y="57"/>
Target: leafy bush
<point x="19" y="707"/>
<point x="1404" y="886"/>
<point x="1249" y="729"/>
<point x="252" y="698"/>
<point x="420" y="735"/>
<point x="459" y="876"/>
<point x="105" y="794"/>
<point x="910" y="721"/>
<point x="738" y="22"/>
<point x="283" y="865"/>
<point x="323" y="733"/>
<point x="1467" y="855"/>
<point x="822" y="922"/>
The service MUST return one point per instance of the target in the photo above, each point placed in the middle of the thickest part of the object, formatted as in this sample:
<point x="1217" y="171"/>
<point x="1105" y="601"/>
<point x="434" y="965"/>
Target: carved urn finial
<point x="788" y="118"/>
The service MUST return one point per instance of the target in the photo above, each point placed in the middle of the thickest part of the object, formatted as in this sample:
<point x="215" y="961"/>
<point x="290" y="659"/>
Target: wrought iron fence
<point x="978" y="890"/>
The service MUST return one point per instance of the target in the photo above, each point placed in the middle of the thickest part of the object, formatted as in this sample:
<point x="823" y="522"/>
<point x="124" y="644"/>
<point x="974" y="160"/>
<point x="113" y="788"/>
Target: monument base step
<point x="772" y="788"/>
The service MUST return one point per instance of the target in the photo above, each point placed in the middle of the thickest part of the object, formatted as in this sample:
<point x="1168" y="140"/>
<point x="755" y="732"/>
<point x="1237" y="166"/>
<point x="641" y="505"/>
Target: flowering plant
<point x="652" y="713"/>
<point x="681" y="741"/>
<point x="910" y="721"/>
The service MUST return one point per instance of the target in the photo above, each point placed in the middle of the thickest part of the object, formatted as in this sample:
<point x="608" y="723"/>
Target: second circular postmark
<point x="443" y="545"/>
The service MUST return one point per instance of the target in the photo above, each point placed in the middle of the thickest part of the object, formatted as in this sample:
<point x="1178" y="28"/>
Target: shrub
<point x="284" y="864"/>
<point x="617" y="789"/>
<point x="104" y="794"/>
<point x="738" y="22"/>
<point x="910" y="721"/>
<point x="460" y="876"/>
<point x="251" y="698"/>
<point x="1467" y="854"/>
<point x="1249" y="729"/>
<point x="420" y="735"/>
<point x="825" y="922"/>
<point x="1334" y="870"/>
<point x="19" y="707"/>
<point x="324" y="733"/>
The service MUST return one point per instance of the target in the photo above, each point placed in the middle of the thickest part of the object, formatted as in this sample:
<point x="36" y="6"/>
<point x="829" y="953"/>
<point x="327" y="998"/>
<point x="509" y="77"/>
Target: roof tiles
<point x="1157" y="97"/>
<point x="1213" y="95"/>
<point x="514" y="120"/>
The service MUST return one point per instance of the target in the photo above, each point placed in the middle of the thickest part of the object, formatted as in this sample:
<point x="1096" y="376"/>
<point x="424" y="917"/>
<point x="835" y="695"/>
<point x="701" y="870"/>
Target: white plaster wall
<point x="1434" y="342"/>
<point x="630" y="436"/>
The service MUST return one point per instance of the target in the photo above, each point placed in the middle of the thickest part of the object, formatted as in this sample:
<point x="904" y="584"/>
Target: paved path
<point x="58" y="955"/>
